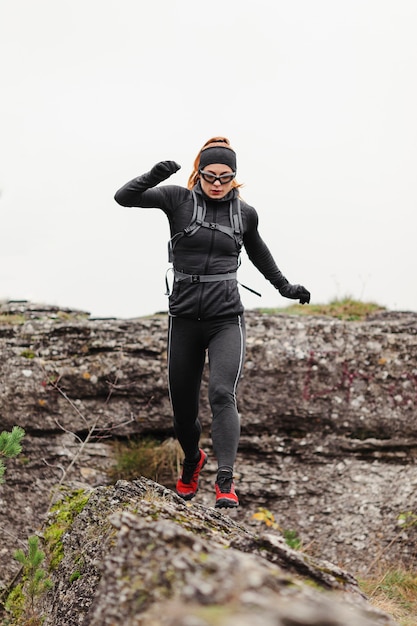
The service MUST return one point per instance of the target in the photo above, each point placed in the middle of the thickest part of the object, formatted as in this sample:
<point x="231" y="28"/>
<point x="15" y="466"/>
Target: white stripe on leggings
<point x="239" y="370"/>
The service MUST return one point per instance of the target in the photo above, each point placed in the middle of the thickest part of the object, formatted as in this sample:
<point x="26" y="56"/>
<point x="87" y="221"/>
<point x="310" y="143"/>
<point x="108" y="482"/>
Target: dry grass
<point x="11" y="319"/>
<point x="149" y="458"/>
<point x="395" y="593"/>
<point x="344" y="309"/>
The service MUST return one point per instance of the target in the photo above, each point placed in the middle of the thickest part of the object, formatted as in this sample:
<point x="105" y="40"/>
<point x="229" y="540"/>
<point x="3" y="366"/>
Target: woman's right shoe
<point x="187" y="484"/>
<point x="225" y="492"/>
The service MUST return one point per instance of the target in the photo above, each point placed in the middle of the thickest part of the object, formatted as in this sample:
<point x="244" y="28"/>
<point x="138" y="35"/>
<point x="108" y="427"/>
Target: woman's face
<point x="216" y="180"/>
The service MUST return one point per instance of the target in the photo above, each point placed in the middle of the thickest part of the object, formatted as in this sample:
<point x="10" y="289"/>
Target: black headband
<point x="218" y="154"/>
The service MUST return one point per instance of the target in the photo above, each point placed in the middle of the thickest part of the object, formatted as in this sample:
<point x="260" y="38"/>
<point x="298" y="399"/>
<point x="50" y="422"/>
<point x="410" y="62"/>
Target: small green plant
<point x="267" y="517"/>
<point x="28" y="354"/>
<point x="21" y="601"/>
<point x="10" y="446"/>
<point x="407" y="519"/>
<point x="75" y="576"/>
<point x="292" y="539"/>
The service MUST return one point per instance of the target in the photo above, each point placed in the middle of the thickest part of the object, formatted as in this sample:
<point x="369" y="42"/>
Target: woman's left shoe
<point x="225" y="492"/>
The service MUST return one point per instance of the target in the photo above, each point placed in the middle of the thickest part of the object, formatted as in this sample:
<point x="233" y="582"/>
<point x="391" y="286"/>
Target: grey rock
<point x="143" y="556"/>
<point x="328" y="413"/>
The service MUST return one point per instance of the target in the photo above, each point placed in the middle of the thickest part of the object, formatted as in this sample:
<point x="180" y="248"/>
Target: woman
<point x="209" y="223"/>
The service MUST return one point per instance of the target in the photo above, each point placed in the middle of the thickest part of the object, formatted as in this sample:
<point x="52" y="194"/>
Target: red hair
<point x="214" y="142"/>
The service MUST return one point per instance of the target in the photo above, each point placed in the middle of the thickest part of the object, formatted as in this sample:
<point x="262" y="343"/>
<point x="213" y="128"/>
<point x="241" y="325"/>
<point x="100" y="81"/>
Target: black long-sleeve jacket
<point x="208" y="251"/>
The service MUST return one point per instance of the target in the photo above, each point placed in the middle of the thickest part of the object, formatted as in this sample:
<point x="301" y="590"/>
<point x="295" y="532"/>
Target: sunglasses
<point x="211" y="178"/>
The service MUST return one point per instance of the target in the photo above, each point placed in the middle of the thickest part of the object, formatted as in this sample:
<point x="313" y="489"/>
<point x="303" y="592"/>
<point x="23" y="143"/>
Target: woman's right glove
<point x="131" y="193"/>
<point x="295" y="292"/>
<point x="160" y="172"/>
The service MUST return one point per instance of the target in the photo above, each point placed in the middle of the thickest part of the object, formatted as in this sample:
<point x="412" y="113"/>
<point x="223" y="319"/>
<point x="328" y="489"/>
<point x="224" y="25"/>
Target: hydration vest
<point x="235" y="231"/>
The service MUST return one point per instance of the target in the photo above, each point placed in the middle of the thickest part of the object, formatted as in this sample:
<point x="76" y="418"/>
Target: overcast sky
<point x="318" y="97"/>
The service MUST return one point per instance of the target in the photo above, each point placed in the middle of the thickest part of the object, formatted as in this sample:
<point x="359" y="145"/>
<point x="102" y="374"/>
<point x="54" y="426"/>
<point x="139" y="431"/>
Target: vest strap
<point x="203" y="278"/>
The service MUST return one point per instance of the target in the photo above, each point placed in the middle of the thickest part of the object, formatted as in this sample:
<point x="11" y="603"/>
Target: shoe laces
<point x="188" y="469"/>
<point x="225" y="482"/>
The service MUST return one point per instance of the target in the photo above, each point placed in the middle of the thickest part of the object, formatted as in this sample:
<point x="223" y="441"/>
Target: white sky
<point x="318" y="97"/>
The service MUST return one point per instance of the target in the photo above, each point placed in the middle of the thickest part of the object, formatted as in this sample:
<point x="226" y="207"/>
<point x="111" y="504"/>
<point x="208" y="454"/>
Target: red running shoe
<point x="187" y="484"/>
<point x="225" y="492"/>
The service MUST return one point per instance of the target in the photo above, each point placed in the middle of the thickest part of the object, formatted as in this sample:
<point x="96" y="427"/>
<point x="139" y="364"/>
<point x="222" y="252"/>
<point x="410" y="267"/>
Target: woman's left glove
<point x="295" y="292"/>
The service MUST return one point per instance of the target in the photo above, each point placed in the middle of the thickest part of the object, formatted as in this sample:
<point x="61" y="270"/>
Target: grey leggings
<point x="224" y="341"/>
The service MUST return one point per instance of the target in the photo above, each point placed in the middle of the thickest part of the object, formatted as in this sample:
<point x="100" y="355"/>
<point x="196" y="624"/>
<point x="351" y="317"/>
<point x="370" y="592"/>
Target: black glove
<point x="161" y="171"/>
<point x="295" y="292"/>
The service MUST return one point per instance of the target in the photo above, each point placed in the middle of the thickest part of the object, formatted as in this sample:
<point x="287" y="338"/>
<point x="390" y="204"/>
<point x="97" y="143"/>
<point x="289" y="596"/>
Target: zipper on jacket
<point x="207" y="264"/>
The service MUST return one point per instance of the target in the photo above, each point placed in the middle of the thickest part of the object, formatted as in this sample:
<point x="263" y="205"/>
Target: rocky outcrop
<point x="303" y="375"/>
<point x="139" y="555"/>
<point x="328" y="422"/>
